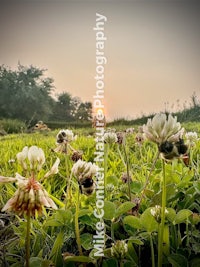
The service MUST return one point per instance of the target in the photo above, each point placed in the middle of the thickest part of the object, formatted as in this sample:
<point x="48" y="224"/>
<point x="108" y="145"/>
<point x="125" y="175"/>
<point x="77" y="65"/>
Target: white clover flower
<point x="119" y="249"/>
<point x="65" y="136"/>
<point x="82" y="169"/>
<point x="191" y="138"/>
<point x="110" y="138"/>
<point x="29" y="198"/>
<point x="130" y="130"/>
<point x="160" y="129"/>
<point x="21" y="157"/>
<point x="156" y="212"/>
<point x="54" y="168"/>
<point x="36" y="157"/>
<point x="110" y="187"/>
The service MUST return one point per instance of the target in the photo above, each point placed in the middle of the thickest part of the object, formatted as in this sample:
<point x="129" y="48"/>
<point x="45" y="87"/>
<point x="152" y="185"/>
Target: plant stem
<point x="27" y="243"/>
<point x="120" y="154"/>
<point x="77" y="231"/>
<point x="68" y="193"/>
<point x="127" y="170"/>
<point x="161" y="226"/>
<point x="105" y="163"/>
<point x="152" y="251"/>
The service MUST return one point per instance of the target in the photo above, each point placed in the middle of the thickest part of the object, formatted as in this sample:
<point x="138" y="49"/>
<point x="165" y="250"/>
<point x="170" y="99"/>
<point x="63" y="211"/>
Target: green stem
<point x="112" y="231"/>
<point x="127" y="171"/>
<point x="77" y="231"/>
<point x="152" y="251"/>
<point x="67" y="164"/>
<point x="27" y="244"/>
<point x="68" y="193"/>
<point x="105" y="163"/>
<point x="161" y="227"/>
<point x="120" y="154"/>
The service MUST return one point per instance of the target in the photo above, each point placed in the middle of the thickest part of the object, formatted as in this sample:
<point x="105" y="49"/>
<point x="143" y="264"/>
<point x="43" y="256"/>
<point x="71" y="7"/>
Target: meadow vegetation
<point x="132" y="210"/>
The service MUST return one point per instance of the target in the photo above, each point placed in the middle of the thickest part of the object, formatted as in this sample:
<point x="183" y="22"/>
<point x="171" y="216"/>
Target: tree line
<point x="26" y="95"/>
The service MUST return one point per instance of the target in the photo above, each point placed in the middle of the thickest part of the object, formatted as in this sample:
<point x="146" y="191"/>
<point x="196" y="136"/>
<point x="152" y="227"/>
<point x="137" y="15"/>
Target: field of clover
<point x="151" y="198"/>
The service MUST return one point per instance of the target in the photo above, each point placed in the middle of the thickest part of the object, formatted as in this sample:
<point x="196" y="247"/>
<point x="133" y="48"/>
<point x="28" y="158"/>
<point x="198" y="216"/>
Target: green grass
<point x="54" y="233"/>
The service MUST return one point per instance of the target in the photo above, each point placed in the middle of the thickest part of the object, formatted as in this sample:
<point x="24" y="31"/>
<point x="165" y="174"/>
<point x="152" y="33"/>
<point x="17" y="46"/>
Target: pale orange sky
<point x="152" y="49"/>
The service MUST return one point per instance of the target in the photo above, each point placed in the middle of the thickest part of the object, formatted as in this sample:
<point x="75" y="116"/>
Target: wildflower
<point x="119" y="249"/>
<point x="54" y="168"/>
<point x="139" y="138"/>
<point x="21" y="157"/>
<point x="76" y="155"/>
<point x="125" y="177"/>
<point x="29" y="198"/>
<point x="156" y="213"/>
<point x="36" y="157"/>
<point x="110" y="138"/>
<point x="160" y="129"/>
<point x="191" y="138"/>
<point x="63" y="138"/>
<point x="130" y="130"/>
<point x="120" y="137"/>
<point x="167" y="133"/>
<point x="110" y="188"/>
<point x="82" y="169"/>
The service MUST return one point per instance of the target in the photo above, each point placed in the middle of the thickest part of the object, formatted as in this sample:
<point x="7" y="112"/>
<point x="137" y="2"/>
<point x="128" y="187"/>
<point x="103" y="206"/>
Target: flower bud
<point x="110" y="138"/>
<point x="119" y="249"/>
<point x="156" y="212"/>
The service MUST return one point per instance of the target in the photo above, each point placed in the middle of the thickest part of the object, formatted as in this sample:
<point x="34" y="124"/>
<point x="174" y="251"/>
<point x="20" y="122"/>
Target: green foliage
<point x="53" y="238"/>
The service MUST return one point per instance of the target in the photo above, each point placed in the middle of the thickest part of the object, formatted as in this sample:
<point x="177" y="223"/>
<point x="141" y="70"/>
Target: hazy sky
<point x="152" y="48"/>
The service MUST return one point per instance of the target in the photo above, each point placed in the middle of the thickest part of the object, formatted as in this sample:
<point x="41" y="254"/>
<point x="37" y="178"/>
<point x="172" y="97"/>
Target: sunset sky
<point x="152" y="49"/>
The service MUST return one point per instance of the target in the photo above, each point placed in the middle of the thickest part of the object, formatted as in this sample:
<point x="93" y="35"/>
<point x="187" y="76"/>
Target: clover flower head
<point x="161" y="128"/>
<point x="130" y="130"/>
<point x="110" y="137"/>
<point x="110" y="188"/>
<point x="64" y="136"/>
<point x="125" y="177"/>
<point x="36" y="157"/>
<point x="29" y="198"/>
<point x="156" y="212"/>
<point x="76" y="155"/>
<point x="120" y="137"/>
<point x="34" y="154"/>
<point x="191" y="138"/>
<point x="82" y="169"/>
<point x="119" y="249"/>
<point x="139" y="138"/>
